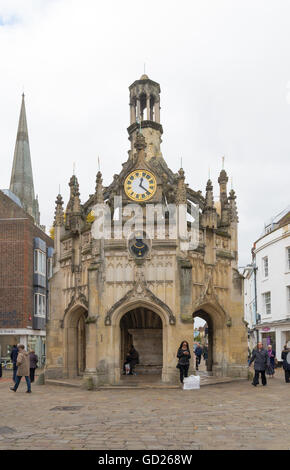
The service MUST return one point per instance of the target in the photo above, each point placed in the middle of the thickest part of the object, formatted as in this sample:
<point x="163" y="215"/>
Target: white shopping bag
<point x="127" y="368"/>
<point x="192" y="382"/>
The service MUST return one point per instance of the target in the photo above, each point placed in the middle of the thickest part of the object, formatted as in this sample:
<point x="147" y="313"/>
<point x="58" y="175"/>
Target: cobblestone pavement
<point x="223" y="416"/>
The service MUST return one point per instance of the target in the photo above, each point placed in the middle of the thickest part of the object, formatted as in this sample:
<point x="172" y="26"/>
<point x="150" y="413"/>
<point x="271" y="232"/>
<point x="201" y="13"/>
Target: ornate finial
<point x="181" y="188"/>
<point x="233" y="206"/>
<point x="209" y="203"/>
<point x="223" y="177"/>
<point x="223" y="162"/>
<point x="99" y="189"/>
<point x="58" y="215"/>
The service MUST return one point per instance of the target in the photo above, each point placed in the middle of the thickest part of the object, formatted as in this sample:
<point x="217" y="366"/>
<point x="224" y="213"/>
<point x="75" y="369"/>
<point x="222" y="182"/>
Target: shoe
<point x="28" y="391"/>
<point x="255" y="385"/>
<point x="12" y="389"/>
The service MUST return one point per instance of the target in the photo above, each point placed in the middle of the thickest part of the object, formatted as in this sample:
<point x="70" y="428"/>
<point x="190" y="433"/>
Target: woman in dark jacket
<point x="183" y="355"/>
<point x="286" y="364"/>
<point x="33" y="364"/>
<point x="271" y="370"/>
<point x="261" y="362"/>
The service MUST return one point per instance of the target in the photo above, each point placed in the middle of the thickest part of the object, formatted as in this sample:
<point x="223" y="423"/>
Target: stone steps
<point x="142" y="384"/>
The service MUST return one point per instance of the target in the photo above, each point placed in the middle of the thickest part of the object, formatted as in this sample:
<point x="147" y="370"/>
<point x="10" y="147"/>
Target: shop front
<point x="32" y="340"/>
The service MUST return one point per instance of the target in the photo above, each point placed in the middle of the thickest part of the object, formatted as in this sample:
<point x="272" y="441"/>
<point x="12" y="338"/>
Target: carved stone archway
<point x="116" y="316"/>
<point x="74" y="325"/>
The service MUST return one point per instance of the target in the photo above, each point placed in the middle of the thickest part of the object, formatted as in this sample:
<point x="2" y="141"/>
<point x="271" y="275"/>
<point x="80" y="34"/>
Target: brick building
<point x="25" y="256"/>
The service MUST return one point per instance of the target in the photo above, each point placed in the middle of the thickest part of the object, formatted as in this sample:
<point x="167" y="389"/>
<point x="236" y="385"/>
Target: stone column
<point x="138" y="109"/>
<point x="90" y="374"/>
<point x="157" y="111"/>
<point x="132" y="113"/>
<point x="148" y="107"/>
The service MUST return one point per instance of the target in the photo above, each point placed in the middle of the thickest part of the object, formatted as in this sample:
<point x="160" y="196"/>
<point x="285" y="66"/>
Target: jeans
<point x="183" y="372"/>
<point x="287" y="375"/>
<point x="18" y="380"/>
<point x="256" y="377"/>
<point x="14" y="373"/>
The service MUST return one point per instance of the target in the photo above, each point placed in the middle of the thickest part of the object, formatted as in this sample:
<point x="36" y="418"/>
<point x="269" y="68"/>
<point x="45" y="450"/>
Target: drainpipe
<point x="255" y="285"/>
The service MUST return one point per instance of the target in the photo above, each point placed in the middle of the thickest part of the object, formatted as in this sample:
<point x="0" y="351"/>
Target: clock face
<point x="140" y="185"/>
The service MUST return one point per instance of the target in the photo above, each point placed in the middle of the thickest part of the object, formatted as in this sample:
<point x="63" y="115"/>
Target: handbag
<point x="178" y="366"/>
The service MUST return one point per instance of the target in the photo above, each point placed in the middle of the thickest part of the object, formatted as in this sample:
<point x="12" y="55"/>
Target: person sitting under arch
<point x="132" y="358"/>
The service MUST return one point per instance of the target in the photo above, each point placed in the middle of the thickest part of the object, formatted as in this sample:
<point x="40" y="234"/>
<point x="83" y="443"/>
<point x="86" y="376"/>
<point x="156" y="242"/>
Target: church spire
<point x="21" y="183"/>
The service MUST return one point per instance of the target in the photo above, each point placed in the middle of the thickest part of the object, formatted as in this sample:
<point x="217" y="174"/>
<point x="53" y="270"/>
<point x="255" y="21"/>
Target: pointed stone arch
<point x="74" y="327"/>
<point x="148" y="296"/>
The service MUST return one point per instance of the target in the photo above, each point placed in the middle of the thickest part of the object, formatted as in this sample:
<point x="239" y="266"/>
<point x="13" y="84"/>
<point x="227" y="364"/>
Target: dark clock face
<point x="138" y="246"/>
<point x="140" y="185"/>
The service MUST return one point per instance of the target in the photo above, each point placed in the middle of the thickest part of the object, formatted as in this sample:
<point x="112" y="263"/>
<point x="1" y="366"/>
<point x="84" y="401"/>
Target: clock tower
<point x="138" y="281"/>
<point x="145" y="115"/>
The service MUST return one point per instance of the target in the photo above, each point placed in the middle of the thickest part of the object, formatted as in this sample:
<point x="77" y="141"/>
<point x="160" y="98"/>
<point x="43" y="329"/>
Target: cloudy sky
<point x="224" y="71"/>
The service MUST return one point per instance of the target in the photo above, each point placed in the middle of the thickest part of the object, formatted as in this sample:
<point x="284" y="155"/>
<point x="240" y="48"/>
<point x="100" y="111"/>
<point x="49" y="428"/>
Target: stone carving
<point x="140" y="291"/>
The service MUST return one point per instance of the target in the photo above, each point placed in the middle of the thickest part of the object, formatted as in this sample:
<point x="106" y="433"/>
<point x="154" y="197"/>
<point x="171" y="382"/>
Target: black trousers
<point x="32" y="373"/>
<point x="287" y="375"/>
<point x="183" y="372"/>
<point x="263" y="377"/>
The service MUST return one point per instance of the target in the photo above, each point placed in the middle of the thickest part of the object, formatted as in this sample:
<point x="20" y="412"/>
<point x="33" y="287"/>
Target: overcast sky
<point x="224" y="72"/>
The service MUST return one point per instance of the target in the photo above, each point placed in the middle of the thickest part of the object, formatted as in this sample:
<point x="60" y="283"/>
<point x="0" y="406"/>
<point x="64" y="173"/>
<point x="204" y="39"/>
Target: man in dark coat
<point x="285" y="356"/>
<point x="198" y="353"/>
<point x="13" y="357"/>
<point x="132" y="358"/>
<point x="261" y="361"/>
<point x="33" y="359"/>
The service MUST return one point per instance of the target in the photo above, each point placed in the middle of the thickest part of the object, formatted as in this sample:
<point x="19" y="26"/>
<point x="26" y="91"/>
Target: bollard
<point x="41" y="379"/>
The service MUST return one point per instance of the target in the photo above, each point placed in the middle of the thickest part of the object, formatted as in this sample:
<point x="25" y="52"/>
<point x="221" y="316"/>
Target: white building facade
<point x="267" y="286"/>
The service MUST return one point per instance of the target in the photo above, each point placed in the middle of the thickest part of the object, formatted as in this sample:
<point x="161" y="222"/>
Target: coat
<point x="23" y="364"/>
<point x="272" y="358"/>
<point x="198" y="351"/>
<point x="183" y="358"/>
<point x="33" y="360"/>
<point x="261" y="359"/>
<point x="132" y="357"/>
<point x="286" y="365"/>
<point x="13" y="355"/>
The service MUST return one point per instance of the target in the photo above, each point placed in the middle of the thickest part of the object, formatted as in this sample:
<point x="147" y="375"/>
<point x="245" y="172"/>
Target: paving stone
<point x="223" y="416"/>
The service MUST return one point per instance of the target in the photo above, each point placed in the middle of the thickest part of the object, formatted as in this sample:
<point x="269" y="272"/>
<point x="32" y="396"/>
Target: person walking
<point x="13" y="357"/>
<point x="33" y="359"/>
<point x="285" y="356"/>
<point x="205" y="354"/>
<point x="271" y="369"/>
<point x="198" y="353"/>
<point x="183" y="355"/>
<point x="22" y="368"/>
<point x="261" y="361"/>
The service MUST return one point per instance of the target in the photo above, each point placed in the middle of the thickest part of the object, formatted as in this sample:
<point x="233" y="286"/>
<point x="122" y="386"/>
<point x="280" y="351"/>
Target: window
<point x="288" y="299"/>
<point x="39" y="305"/>
<point x="39" y="262"/>
<point x="288" y="258"/>
<point x="267" y="303"/>
<point x="49" y="268"/>
<point x="265" y="266"/>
